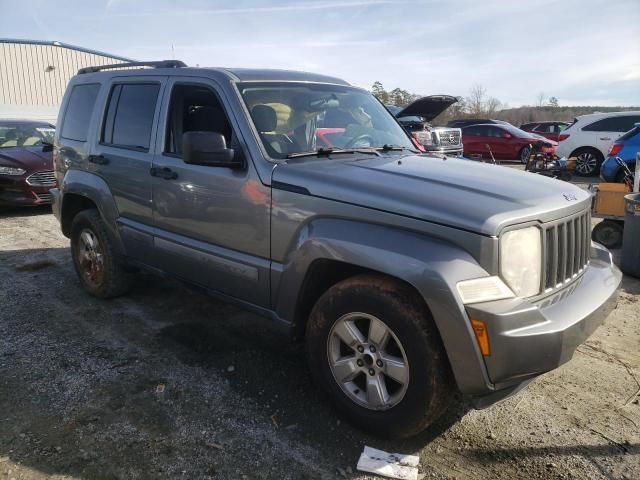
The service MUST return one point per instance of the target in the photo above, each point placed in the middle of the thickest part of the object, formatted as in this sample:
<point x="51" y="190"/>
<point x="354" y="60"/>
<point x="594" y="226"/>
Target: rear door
<point x="123" y="154"/>
<point x="548" y="130"/>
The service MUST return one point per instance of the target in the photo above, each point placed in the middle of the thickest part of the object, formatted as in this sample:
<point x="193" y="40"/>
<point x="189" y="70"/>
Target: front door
<point x="211" y="223"/>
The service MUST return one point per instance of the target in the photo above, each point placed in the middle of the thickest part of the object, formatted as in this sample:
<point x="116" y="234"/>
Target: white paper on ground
<point x="392" y="465"/>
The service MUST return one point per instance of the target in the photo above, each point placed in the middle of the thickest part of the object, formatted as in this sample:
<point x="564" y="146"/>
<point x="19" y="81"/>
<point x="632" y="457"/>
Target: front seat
<point x="265" y="119"/>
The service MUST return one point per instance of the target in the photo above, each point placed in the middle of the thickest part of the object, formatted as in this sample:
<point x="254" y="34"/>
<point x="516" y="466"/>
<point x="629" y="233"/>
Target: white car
<point x="589" y="138"/>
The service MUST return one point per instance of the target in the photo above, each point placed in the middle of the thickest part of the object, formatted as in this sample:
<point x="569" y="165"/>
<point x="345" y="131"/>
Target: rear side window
<point x="130" y="112"/>
<point x="79" y="110"/>
<point x="613" y="124"/>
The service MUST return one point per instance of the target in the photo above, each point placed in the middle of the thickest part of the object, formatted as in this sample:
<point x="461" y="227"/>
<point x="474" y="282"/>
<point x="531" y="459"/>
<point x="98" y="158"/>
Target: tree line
<point x="478" y="104"/>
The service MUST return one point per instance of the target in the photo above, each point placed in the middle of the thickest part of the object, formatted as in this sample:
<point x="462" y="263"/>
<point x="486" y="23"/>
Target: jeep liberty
<point x="409" y="276"/>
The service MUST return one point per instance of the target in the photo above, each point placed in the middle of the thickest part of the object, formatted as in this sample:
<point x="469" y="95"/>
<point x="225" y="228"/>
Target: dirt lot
<point x="167" y="383"/>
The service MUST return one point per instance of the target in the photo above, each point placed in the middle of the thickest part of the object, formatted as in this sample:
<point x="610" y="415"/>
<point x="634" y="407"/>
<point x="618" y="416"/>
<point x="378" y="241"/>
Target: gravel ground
<point x="168" y="383"/>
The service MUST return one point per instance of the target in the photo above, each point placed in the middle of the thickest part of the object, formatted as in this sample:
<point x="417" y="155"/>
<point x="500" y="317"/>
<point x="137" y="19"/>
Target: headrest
<point x="265" y="118"/>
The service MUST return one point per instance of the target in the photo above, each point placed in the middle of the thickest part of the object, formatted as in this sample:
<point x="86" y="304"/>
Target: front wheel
<point x="524" y="154"/>
<point x="373" y="348"/>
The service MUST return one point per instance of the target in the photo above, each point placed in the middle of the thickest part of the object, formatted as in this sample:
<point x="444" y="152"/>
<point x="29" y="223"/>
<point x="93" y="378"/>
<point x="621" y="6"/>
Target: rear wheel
<point x="100" y="271"/>
<point x="608" y="233"/>
<point x="373" y="349"/>
<point x="588" y="161"/>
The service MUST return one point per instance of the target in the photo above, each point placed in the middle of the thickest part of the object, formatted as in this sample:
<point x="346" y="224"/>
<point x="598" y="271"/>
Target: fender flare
<point x="432" y="266"/>
<point x="94" y="188"/>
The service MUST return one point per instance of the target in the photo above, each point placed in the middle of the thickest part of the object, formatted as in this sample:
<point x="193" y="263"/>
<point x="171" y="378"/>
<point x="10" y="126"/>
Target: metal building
<point x="34" y="75"/>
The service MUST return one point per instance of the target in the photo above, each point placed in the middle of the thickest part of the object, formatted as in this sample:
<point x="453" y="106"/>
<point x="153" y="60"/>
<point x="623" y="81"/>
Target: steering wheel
<point x="360" y="138"/>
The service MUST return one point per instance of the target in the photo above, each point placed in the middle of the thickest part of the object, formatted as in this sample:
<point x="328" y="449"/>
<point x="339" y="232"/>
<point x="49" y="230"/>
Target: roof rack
<point x="159" y="64"/>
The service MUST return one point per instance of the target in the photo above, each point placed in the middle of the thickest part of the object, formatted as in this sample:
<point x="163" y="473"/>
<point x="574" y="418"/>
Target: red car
<point x="550" y="130"/>
<point x="505" y="141"/>
<point x="26" y="162"/>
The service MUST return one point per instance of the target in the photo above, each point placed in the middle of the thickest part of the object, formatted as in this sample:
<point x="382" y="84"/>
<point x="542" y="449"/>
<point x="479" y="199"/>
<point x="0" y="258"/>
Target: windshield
<point x="515" y="131"/>
<point x="294" y="118"/>
<point x="25" y="134"/>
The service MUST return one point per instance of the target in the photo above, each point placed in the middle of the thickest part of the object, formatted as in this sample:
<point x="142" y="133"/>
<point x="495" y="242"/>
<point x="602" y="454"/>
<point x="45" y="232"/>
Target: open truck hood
<point x="428" y="107"/>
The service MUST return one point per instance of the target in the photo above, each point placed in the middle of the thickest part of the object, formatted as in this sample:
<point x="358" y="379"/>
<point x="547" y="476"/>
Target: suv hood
<point x="29" y="158"/>
<point x="464" y="194"/>
<point x="428" y="107"/>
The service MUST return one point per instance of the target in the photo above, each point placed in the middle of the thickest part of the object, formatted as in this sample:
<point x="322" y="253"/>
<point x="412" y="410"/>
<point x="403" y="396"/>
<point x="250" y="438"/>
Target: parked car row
<point x="505" y="141"/>
<point x="590" y="137"/>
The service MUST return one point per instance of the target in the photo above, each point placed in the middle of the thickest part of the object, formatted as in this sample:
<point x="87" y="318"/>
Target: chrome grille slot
<point x="42" y="179"/>
<point x="448" y="138"/>
<point x="45" y="197"/>
<point x="566" y="246"/>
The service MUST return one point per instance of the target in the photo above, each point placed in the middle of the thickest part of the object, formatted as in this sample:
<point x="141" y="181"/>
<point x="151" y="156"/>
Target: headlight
<point x="521" y="260"/>
<point x="11" y="171"/>
<point x="424" y="137"/>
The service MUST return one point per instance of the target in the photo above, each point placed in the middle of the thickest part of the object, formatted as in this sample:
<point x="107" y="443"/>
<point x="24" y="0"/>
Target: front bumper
<point x="449" y="151"/>
<point x="56" y="202"/>
<point x="17" y="192"/>
<point x="530" y="338"/>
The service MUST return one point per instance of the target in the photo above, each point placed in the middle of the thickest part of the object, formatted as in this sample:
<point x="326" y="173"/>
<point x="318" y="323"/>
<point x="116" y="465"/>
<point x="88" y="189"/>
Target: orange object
<point x="480" y="330"/>
<point x="610" y="199"/>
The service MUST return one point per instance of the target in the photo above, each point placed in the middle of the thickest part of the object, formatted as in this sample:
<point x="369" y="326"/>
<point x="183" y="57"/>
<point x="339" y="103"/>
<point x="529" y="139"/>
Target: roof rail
<point x="159" y="64"/>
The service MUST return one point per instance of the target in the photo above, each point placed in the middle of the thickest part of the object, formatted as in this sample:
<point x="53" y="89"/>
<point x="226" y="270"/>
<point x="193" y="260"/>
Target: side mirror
<point x="507" y="135"/>
<point x="208" y="148"/>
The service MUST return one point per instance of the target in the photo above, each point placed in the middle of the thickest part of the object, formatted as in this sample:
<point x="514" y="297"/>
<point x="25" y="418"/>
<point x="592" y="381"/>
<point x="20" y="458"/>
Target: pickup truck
<point x="409" y="276"/>
<point x="416" y="116"/>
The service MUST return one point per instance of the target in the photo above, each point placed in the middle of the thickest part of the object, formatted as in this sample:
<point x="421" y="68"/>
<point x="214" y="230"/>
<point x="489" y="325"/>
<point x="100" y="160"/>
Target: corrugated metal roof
<point x="63" y="45"/>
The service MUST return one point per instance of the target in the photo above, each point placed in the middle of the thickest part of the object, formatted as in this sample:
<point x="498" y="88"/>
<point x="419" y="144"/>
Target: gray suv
<point x="409" y="276"/>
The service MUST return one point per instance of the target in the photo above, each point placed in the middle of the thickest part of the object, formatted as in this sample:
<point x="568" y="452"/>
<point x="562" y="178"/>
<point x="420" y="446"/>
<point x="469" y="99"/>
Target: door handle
<point x="605" y="138"/>
<point x="164" y="172"/>
<point x="98" y="159"/>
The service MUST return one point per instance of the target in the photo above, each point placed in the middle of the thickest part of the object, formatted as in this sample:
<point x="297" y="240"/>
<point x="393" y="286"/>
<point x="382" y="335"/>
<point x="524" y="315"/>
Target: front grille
<point x="42" y="179"/>
<point x="566" y="246"/>
<point x="448" y="138"/>
<point x="45" y="197"/>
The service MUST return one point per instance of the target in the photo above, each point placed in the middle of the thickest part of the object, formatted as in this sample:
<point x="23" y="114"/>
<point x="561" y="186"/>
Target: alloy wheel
<point x="524" y="154"/>
<point x="586" y="163"/>
<point x="368" y="361"/>
<point x="90" y="258"/>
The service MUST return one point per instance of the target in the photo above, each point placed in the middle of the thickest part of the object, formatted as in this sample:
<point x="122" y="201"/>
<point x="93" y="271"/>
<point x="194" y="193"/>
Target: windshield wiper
<point x="325" y="152"/>
<point x="395" y="148"/>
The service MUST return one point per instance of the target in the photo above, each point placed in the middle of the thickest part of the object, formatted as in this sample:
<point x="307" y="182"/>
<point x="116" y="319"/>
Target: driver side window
<point x="195" y="108"/>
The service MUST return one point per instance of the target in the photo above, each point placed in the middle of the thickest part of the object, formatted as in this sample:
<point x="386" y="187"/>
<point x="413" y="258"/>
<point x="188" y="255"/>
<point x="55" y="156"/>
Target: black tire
<point x="430" y="386"/>
<point x="608" y="233"/>
<point x="589" y="161"/>
<point x="110" y="279"/>
<point x="523" y="155"/>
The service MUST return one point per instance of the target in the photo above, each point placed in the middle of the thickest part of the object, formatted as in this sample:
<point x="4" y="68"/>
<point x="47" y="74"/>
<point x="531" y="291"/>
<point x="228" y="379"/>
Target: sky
<point x="583" y="52"/>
